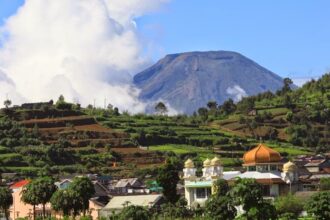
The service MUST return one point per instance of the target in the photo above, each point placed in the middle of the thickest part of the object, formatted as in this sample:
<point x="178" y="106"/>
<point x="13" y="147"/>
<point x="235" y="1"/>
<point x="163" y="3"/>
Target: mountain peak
<point x="189" y="80"/>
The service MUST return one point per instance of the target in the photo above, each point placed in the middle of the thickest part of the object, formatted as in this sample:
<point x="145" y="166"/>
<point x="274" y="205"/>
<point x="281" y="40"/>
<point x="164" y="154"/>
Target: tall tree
<point x="39" y="191"/>
<point x="62" y="201"/>
<point x="84" y="189"/>
<point x="6" y="200"/>
<point x="7" y="103"/>
<point x="248" y="194"/>
<point x="287" y="82"/>
<point x="220" y="205"/>
<point x="228" y="107"/>
<point x="168" y="178"/>
<point x="212" y="105"/>
<point x="203" y="113"/>
<point x="30" y="196"/>
<point x="46" y="188"/>
<point x="161" y="108"/>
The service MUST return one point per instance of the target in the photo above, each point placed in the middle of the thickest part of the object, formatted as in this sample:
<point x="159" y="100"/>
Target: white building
<point x="266" y="166"/>
<point x="199" y="189"/>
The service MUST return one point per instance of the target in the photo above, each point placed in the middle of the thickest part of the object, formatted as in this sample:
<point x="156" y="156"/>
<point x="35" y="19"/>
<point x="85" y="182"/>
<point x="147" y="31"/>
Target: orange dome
<point x="261" y="154"/>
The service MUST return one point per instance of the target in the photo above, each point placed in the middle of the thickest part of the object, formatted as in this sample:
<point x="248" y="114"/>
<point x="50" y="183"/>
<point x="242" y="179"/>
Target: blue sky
<point x="291" y="38"/>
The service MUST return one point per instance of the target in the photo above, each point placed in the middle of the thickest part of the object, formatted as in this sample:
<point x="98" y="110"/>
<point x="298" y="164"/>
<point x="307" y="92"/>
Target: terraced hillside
<point x="188" y="137"/>
<point x="85" y="145"/>
<point x="300" y="117"/>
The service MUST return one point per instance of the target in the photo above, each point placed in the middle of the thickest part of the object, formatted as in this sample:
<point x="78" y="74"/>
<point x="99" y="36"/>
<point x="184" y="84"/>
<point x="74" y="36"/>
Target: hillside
<point x="57" y="141"/>
<point x="54" y="139"/>
<point x="188" y="81"/>
<point x="300" y="117"/>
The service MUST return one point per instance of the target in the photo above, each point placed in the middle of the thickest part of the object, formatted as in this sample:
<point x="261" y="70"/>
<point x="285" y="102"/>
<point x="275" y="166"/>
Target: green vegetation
<point x="6" y="200"/>
<point x="318" y="206"/>
<point x="47" y="138"/>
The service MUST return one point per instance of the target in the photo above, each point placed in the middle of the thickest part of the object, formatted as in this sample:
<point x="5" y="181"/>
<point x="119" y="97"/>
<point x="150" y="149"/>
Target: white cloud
<point x="82" y="49"/>
<point x="236" y="92"/>
<point x="302" y="80"/>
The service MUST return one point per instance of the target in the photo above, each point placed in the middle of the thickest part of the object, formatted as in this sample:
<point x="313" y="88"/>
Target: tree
<point x="203" y="112"/>
<point x="39" y="191"/>
<point x="7" y="103"/>
<point x="319" y="206"/>
<point x="30" y="196"/>
<point x="133" y="212"/>
<point x="6" y="200"/>
<point x="287" y="82"/>
<point x="220" y="205"/>
<point x="62" y="200"/>
<point x="178" y="210"/>
<point x="168" y="178"/>
<point x="325" y="184"/>
<point x="212" y="105"/>
<point x="84" y="190"/>
<point x="228" y="107"/>
<point x="248" y="194"/>
<point x="246" y="105"/>
<point x="161" y="108"/>
<point x="46" y="188"/>
<point x="288" y="206"/>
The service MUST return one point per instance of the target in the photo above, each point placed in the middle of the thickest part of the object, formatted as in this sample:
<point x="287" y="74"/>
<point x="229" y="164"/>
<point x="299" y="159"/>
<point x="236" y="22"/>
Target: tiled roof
<point x="126" y="182"/>
<point x="20" y="184"/>
<point x="118" y="202"/>
<point x="261" y="154"/>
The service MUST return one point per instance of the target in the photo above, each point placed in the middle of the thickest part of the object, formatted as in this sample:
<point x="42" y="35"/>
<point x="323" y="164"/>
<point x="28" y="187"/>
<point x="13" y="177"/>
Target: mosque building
<point x="261" y="163"/>
<point x="268" y="168"/>
<point x="199" y="189"/>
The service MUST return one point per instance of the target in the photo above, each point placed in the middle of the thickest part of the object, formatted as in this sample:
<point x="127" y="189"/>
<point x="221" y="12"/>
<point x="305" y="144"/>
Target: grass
<point x="202" y="153"/>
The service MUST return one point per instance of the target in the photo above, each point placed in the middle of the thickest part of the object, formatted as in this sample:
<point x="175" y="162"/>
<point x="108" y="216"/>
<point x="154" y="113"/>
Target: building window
<point x="208" y="192"/>
<point x="200" y="193"/>
<point x="262" y="168"/>
<point x="266" y="190"/>
<point x="273" y="167"/>
<point x="251" y="168"/>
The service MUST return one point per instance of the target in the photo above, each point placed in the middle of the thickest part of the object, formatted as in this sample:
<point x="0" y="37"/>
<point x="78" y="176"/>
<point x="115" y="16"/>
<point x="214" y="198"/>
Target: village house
<point x="128" y="186"/>
<point x="20" y="210"/>
<point x="117" y="203"/>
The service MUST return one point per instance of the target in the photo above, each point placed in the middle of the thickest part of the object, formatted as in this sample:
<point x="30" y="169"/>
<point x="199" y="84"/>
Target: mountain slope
<point x="189" y="80"/>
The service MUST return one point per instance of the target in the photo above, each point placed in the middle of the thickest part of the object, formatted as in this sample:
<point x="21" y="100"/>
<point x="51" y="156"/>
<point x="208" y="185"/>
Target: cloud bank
<point x="85" y="50"/>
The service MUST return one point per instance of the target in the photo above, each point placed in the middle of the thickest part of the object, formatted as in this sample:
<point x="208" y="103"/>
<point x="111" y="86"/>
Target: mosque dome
<point x="215" y="161"/>
<point x="289" y="167"/>
<point x="207" y="163"/>
<point x="189" y="164"/>
<point x="261" y="154"/>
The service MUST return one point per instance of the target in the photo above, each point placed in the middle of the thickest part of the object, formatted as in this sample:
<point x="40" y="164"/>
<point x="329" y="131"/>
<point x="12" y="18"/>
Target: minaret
<point x="189" y="170"/>
<point x="216" y="168"/>
<point x="206" y="169"/>
<point x="289" y="174"/>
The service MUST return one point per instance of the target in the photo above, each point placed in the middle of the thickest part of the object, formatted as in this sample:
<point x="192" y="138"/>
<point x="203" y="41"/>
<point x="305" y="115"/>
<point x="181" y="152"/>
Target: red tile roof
<point x="20" y="184"/>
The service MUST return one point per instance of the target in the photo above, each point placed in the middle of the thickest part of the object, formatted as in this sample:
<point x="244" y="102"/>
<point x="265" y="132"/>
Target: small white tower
<point x="289" y="174"/>
<point x="207" y="168"/>
<point x="189" y="170"/>
<point x="216" y="168"/>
